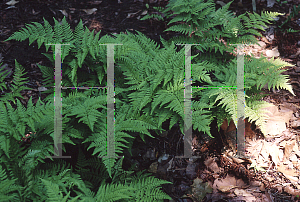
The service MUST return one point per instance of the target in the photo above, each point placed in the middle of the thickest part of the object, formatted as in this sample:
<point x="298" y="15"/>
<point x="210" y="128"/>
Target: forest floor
<point x="270" y="171"/>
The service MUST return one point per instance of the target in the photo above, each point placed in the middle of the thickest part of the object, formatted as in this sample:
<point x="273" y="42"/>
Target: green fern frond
<point x="268" y="71"/>
<point x="3" y="75"/>
<point x="87" y="111"/>
<point x="8" y="187"/>
<point x="257" y="113"/>
<point x="113" y="192"/>
<point x="53" y="192"/>
<point x="146" y="188"/>
<point x="81" y="42"/>
<point x="17" y="85"/>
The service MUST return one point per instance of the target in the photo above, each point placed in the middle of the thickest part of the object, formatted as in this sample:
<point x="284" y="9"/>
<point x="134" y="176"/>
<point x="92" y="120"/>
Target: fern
<point x="8" y="187"/>
<point x="3" y="75"/>
<point x="145" y="188"/>
<point x="156" y="78"/>
<point x="150" y="92"/>
<point x="295" y="11"/>
<point x="16" y="86"/>
<point x="203" y="25"/>
<point x="128" y="55"/>
<point x="81" y="42"/>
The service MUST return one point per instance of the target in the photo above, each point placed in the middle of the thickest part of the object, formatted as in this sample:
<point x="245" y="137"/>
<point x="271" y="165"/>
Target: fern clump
<point x="83" y="120"/>
<point x="216" y="32"/>
<point x="149" y="90"/>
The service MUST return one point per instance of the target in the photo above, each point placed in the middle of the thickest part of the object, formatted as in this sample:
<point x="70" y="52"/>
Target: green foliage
<point x="8" y="187"/>
<point x="290" y="30"/>
<point x="87" y="111"/>
<point x="213" y="31"/>
<point x="76" y="46"/>
<point x="295" y="11"/>
<point x="16" y="85"/>
<point x="202" y="24"/>
<point x="148" y="92"/>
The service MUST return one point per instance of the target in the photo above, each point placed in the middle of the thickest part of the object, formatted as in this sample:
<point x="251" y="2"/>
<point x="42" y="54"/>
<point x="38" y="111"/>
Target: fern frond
<point x="87" y="111"/>
<point x="113" y="192"/>
<point x="8" y="187"/>
<point x="256" y="113"/>
<point x="146" y="188"/>
<point x="53" y="192"/>
<point x="3" y="75"/>
<point x="268" y="72"/>
<point x="17" y="85"/>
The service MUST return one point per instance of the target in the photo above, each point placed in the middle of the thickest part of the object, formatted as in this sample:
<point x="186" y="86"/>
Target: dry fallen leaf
<point x="144" y="12"/>
<point x="12" y="2"/>
<point x="94" y="2"/>
<point x="64" y="12"/>
<point x="288" y="173"/>
<point x="89" y="11"/>
<point x="226" y="189"/>
<point x="292" y="191"/>
<point x="200" y="189"/>
<point x="226" y="184"/>
<point x="242" y="192"/>
<point x="273" y="53"/>
<point x="274" y="153"/>
<point x="153" y="167"/>
<point x="212" y="165"/>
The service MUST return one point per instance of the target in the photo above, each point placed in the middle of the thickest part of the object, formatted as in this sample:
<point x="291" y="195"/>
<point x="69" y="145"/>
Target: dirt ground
<point x="271" y="170"/>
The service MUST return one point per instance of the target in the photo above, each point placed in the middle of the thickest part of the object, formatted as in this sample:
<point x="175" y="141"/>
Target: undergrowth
<point x="149" y="90"/>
